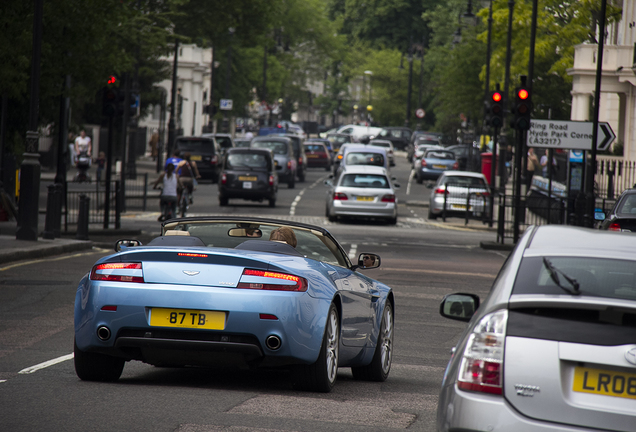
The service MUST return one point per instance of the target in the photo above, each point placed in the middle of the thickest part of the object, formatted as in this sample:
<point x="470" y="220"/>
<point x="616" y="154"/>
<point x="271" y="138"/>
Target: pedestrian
<point x="249" y="135"/>
<point x="171" y="185"/>
<point x="83" y="145"/>
<point x="545" y="166"/>
<point x="154" y="144"/>
<point x="532" y="165"/>
<point x="101" y="163"/>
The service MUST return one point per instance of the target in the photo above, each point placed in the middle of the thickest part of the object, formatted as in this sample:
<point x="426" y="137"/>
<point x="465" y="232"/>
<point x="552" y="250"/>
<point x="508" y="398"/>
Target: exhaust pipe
<point x="103" y="333"/>
<point x="273" y="342"/>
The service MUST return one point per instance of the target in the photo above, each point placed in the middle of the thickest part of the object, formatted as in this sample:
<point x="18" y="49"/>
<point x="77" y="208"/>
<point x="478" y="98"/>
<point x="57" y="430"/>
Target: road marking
<point x="46" y="364"/>
<point x="353" y="251"/>
<point x="3" y="381"/>
<point x="412" y="270"/>
<point x="51" y="259"/>
<point x="292" y="208"/>
<point x="408" y="183"/>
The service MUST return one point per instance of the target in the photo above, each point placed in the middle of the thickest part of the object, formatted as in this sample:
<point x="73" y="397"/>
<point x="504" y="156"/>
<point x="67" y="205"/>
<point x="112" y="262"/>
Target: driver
<point x="284" y="235"/>
<point x="368" y="261"/>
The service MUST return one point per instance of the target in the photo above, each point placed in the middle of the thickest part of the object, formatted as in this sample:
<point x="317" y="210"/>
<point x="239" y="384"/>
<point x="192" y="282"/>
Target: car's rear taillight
<point x="441" y="191"/>
<point x="614" y="226"/>
<point x="214" y="160"/>
<point x="271" y="180"/>
<point x="390" y="198"/>
<point x="118" y="272"/>
<point x="481" y="369"/>
<point x="423" y="163"/>
<point x="300" y="160"/>
<point x="289" y="164"/>
<point x="456" y="166"/>
<point x="223" y="178"/>
<point x="340" y="196"/>
<point x="273" y="281"/>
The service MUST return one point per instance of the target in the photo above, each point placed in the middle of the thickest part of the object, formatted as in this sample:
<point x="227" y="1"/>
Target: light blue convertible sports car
<point x="215" y="291"/>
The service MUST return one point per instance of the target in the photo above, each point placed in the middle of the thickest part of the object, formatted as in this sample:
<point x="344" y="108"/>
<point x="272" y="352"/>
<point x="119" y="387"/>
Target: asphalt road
<point x="421" y="261"/>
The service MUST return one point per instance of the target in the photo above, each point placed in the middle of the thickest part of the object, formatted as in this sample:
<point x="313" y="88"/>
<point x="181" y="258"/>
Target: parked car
<point x="250" y="174"/>
<point x="465" y="151"/>
<point x="456" y="189"/>
<point x="218" y="292"/>
<point x="622" y="217"/>
<point x="399" y="136"/>
<point x="205" y="151"/>
<point x="434" y="163"/>
<point x="362" y="191"/>
<point x="317" y="155"/>
<point x="551" y="348"/>
<point x="284" y="156"/>
<point x="388" y="146"/>
<point x="359" y="154"/>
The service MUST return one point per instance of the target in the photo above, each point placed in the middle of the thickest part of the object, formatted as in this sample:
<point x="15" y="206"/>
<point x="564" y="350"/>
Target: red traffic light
<point x="523" y="94"/>
<point x="496" y="96"/>
<point x="112" y="79"/>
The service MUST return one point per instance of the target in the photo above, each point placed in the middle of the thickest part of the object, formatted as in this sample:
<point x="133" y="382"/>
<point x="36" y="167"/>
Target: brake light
<point x="339" y="157"/>
<point x="300" y="160"/>
<point x="223" y="178"/>
<point x="390" y="198"/>
<point x="274" y="281"/>
<point x="214" y="160"/>
<point x="481" y="369"/>
<point x="423" y="163"/>
<point x="441" y="191"/>
<point x="289" y="164"/>
<point x="118" y="272"/>
<point x="456" y="166"/>
<point x="271" y="180"/>
<point x="340" y="196"/>
<point x="614" y="226"/>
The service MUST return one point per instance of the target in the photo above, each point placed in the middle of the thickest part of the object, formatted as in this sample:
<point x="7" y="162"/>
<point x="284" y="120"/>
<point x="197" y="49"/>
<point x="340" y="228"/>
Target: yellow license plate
<point x="364" y="198"/>
<point x="458" y="207"/>
<point x="187" y="318"/>
<point x="604" y="382"/>
<point x="196" y="158"/>
<point x="310" y="156"/>
<point x="248" y="178"/>
<point x="439" y="166"/>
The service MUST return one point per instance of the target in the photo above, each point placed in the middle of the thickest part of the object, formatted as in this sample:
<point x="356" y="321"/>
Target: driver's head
<point x="284" y="234"/>
<point x="368" y="260"/>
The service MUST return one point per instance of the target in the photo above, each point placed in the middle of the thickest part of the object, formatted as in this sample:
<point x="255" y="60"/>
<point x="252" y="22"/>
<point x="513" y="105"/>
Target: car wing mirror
<point x="459" y="306"/>
<point x="328" y="183"/>
<point x="367" y="261"/>
<point x="125" y="244"/>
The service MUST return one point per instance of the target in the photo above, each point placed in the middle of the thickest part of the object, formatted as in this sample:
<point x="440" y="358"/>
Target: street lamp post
<point x="228" y="72"/>
<point x="30" y="168"/>
<point x="408" y="97"/>
<point x="173" y="100"/>
<point x="370" y="73"/>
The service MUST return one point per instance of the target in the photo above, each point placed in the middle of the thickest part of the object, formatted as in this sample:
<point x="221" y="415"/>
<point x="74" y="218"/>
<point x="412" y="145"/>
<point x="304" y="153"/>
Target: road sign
<point x="420" y="113"/>
<point x="569" y="135"/>
<point x="226" y="104"/>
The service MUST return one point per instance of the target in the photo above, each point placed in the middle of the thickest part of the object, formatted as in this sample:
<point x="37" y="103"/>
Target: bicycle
<point x="184" y="202"/>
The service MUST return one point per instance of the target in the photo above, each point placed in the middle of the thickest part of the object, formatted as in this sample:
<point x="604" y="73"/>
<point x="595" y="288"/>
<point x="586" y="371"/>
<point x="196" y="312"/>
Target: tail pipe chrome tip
<point x="273" y="342"/>
<point x="103" y="333"/>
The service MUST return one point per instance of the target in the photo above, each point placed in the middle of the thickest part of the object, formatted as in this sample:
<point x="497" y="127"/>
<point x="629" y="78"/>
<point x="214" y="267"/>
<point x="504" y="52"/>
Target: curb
<point x="19" y="255"/>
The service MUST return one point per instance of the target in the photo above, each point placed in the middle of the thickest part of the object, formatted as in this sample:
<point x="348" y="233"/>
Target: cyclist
<point x="188" y="173"/>
<point x="171" y="184"/>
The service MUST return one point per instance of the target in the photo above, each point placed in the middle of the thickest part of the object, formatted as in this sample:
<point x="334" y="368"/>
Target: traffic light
<point x="522" y="109"/>
<point x="496" y="111"/>
<point x="112" y="98"/>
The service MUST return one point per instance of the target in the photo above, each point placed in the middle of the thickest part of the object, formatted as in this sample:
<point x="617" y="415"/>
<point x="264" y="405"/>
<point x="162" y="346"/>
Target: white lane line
<point x="2" y="381"/>
<point x="353" y="251"/>
<point x="49" y="259"/>
<point x="292" y="208"/>
<point x="408" y="183"/>
<point x="46" y="364"/>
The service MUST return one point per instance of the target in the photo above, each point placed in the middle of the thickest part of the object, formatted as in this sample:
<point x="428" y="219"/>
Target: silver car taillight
<point x="481" y="369"/>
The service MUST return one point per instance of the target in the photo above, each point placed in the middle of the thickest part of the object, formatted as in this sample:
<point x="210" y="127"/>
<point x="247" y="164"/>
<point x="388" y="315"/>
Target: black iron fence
<point x="136" y="198"/>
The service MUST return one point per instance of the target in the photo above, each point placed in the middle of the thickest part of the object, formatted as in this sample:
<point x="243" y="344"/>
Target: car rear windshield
<point x="247" y="160"/>
<point x="224" y="142"/>
<point x="196" y="145"/>
<point x="465" y="181"/>
<point x="365" y="158"/>
<point x="380" y="144"/>
<point x="365" y="181"/>
<point x="597" y="277"/>
<point x="628" y="207"/>
<point x="277" y="147"/>
<point x="436" y="154"/>
<point x="314" y="148"/>
<point x="427" y="141"/>
<point x="339" y="139"/>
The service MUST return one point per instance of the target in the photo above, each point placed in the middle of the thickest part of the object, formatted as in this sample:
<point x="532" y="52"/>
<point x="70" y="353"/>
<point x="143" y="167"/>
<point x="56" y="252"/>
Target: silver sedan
<point x="362" y="191"/>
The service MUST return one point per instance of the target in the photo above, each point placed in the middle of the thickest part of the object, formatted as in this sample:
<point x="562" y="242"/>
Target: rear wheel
<point x="419" y="179"/>
<point x="223" y="201"/>
<point x="431" y="215"/>
<point x="272" y="202"/>
<point x="321" y="376"/>
<point x="291" y="183"/>
<point x="392" y="221"/>
<point x="97" y="367"/>
<point x="301" y="176"/>
<point x="380" y="366"/>
<point x="183" y="205"/>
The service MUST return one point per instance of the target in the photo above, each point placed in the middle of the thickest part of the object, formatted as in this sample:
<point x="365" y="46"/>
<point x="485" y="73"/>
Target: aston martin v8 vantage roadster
<point x="215" y="290"/>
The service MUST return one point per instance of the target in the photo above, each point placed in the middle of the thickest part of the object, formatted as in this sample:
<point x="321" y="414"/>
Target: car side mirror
<point x="459" y="306"/>
<point x="125" y="244"/>
<point x="396" y="185"/>
<point x="328" y="183"/>
<point x="368" y="261"/>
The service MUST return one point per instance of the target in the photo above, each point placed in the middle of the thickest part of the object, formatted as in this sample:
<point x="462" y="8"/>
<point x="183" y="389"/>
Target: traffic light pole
<point x="109" y="170"/>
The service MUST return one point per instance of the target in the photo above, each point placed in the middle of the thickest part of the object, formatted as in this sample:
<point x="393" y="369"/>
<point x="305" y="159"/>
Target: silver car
<point x="458" y="191"/>
<point x="362" y="191"/>
<point x="553" y="346"/>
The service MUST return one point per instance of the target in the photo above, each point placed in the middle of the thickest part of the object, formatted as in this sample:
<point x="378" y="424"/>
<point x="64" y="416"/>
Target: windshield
<point x="597" y="277"/>
<point x="628" y="207"/>
<point x="365" y="158"/>
<point x="311" y="244"/>
<point x="465" y="181"/>
<point x="278" y="147"/>
<point x="365" y="181"/>
<point x="436" y="154"/>
<point x="315" y="148"/>
<point x="249" y="160"/>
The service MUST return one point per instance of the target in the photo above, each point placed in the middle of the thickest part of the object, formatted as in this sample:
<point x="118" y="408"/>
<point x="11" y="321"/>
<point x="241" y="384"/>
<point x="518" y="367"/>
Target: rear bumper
<point x="388" y="210"/>
<point x="249" y="194"/>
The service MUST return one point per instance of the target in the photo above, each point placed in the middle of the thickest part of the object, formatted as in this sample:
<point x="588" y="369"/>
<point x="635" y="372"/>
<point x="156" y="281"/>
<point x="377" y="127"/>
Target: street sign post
<point x="226" y="104"/>
<point x="569" y="135"/>
<point x="420" y="113"/>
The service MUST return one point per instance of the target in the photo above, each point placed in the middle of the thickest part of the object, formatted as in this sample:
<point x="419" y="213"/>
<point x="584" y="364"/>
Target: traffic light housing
<point x="112" y="98"/>
<point x="495" y="109"/>
<point x="522" y="109"/>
